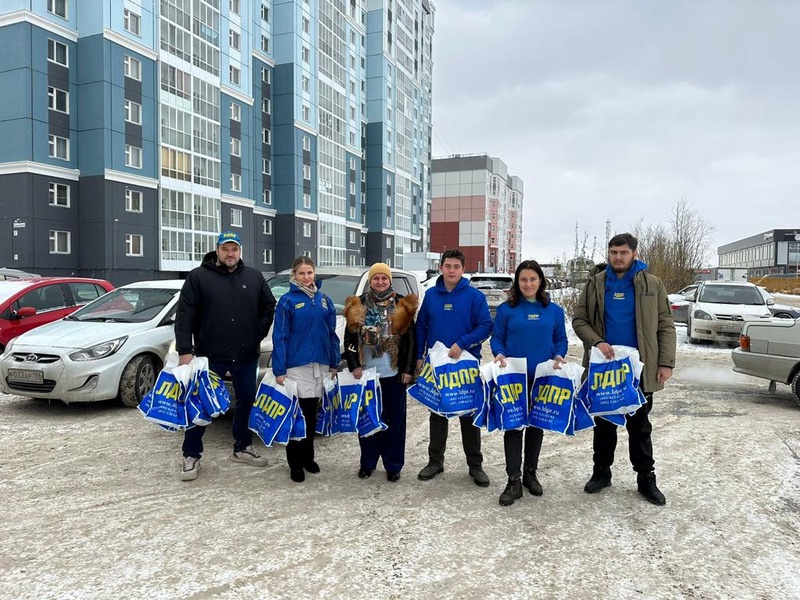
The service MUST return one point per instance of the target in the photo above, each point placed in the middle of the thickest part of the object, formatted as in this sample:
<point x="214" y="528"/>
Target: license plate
<point x="25" y="376"/>
<point x="733" y="327"/>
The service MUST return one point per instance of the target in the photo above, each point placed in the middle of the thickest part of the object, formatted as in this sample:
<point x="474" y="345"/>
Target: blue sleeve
<point x="336" y="353"/>
<point x="500" y="330"/>
<point x="481" y="322"/>
<point x="280" y="337"/>
<point x="422" y="328"/>
<point x="560" y="344"/>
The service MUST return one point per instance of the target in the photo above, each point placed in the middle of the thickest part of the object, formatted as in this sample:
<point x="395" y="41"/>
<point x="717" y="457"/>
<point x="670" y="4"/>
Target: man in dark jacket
<point x="622" y="304"/>
<point x="224" y="311"/>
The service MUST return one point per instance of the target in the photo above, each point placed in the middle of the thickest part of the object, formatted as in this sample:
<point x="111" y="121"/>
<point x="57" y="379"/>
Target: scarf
<point x="310" y="290"/>
<point x="376" y="334"/>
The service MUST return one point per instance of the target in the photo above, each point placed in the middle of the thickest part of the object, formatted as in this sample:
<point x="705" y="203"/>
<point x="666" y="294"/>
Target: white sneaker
<point x="249" y="456"/>
<point x="190" y="468"/>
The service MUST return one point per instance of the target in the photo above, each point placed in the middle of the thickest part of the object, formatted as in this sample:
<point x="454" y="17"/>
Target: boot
<point x="512" y="492"/>
<point x="530" y="481"/>
<point x="601" y="477"/>
<point x="647" y="488"/>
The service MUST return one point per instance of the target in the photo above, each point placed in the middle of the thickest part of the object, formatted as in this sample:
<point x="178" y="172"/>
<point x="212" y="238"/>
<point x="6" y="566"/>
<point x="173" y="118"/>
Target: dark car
<point x="28" y="303"/>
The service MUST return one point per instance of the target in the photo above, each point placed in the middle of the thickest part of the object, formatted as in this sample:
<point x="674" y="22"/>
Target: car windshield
<point x="336" y="287"/>
<point x="731" y="294"/>
<point x="490" y="283"/>
<point x="9" y="288"/>
<point x="126" y="305"/>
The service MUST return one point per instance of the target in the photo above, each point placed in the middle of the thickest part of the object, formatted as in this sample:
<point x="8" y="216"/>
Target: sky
<point x="618" y="110"/>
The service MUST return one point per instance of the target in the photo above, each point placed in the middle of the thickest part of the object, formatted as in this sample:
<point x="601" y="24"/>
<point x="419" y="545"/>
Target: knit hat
<point x="381" y="268"/>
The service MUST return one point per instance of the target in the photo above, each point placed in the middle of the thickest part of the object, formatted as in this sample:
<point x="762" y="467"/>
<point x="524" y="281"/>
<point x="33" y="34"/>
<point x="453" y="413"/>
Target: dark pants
<point x="243" y="375"/>
<point x="470" y="439"/>
<point x="390" y="444"/>
<point x="300" y="453"/>
<point x="512" y="444"/>
<point x="640" y="444"/>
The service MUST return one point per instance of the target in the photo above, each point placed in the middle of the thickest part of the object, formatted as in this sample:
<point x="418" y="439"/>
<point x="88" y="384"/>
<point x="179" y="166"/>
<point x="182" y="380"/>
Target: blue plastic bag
<point x="165" y="404"/>
<point x="424" y="389"/>
<point x="274" y="405"/>
<point x="369" y="415"/>
<point x="510" y="393"/>
<point x="351" y="394"/>
<point x="552" y="396"/>
<point x="612" y="383"/>
<point x="331" y="397"/>
<point x="581" y="417"/>
<point x="458" y="381"/>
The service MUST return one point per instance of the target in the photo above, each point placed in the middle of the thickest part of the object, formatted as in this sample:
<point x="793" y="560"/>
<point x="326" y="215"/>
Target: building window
<point x="60" y="242"/>
<point x="306" y="113"/>
<point x="307" y="253"/>
<point x="57" y="7"/>
<point x="235" y="75"/>
<point x="265" y="44"/>
<point x="236" y="217"/>
<point x="363" y="241"/>
<point x="133" y="244"/>
<point x="266" y="106"/>
<point x="235" y="39"/>
<point x="306" y="23"/>
<point x="265" y="13"/>
<point x="306" y="54"/>
<point x="235" y="7"/>
<point x="352" y="212"/>
<point x="306" y="143"/>
<point x="133" y="201"/>
<point x="133" y="156"/>
<point x="57" y="52"/>
<point x="266" y="196"/>
<point x="266" y="75"/>
<point x="236" y="182"/>
<point x="267" y="256"/>
<point x="353" y="187"/>
<point x="59" y="195"/>
<point x="133" y="68"/>
<point x="266" y="166"/>
<point x="236" y="147"/>
<point x="352" y="236"/>
<point x="267" y="227"/>
<point x="306" y="229"/>
<point x="133" y="112"/>
<point x="306" y="200"/>
<point x="58" y="99"/>
<point x="388" y="243"/>
<point x="236" y="112"/>
<point x="58" y="147"/>
<point x="266" y="136"/>
<point x="305" y="82"/>
<point x="132" y="22"/>
<point x="307" y="172"/>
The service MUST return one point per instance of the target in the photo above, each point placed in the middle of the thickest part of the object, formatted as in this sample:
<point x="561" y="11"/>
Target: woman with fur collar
<point x="380" y="334"/>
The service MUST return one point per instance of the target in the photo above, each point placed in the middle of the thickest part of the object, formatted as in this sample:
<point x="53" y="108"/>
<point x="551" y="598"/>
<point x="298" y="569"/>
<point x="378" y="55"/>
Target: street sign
<point x="19" y="224"/>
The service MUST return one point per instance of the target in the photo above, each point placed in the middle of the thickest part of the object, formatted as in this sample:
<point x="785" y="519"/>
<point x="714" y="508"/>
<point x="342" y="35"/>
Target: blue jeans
<point x="243" y="374"/>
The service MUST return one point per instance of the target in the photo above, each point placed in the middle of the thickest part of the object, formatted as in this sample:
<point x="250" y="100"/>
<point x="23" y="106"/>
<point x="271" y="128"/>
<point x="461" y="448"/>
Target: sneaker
<point x="430" y="471"/>
<point x="601" y="478"/>
<point x="512" y="493"/>
<point x="312" y="467"/>
<point x="364" y="473"/>
<point x="480" y="478"/>
<point x="250" y="457"/>
<point x="297" y="475"/>
<point x="530" y="481"/>
<point x="393" y="477"/>
<point x="647" y="488"/>
<point x="189" y="468"/>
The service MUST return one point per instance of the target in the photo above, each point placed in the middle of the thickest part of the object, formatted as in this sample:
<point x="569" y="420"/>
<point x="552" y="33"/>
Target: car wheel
<point x="689" y="337"/>
<point x="783" y="315"/>
<point x="796" y="387"/>
<point x="137" y="379"/>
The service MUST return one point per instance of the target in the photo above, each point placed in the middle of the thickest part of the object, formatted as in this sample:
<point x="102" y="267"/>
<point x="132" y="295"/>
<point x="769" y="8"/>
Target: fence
<point x="784" y="284"/>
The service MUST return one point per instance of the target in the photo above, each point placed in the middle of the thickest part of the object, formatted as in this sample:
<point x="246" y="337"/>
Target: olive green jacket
<point x="655" y="328"/>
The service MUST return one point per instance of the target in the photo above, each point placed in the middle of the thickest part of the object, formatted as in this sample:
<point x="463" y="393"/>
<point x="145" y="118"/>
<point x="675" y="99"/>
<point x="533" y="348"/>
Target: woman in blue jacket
<point x="304" y="348"/>
<point x="527" y="325"/>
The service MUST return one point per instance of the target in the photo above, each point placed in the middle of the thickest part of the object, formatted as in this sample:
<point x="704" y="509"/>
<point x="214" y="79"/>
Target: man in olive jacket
<point x="622" y="304"/>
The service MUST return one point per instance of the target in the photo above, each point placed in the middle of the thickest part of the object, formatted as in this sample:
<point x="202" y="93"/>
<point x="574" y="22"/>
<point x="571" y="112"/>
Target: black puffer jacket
<point x="223" y="315"/>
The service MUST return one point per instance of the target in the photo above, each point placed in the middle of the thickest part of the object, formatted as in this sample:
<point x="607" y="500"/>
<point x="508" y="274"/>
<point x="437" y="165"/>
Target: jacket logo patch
<point x="448" y="307"/>
<point x="533" y="317"/>
<point x="619" y="295"/>
<point x="324" y="304"/>
<point x="299" y="305"/>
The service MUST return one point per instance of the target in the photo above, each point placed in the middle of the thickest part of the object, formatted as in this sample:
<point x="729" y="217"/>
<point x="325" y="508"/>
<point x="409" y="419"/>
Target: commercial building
<point x="477" y="208"/>
<point x="774" y="252"/>
<point x="141" y="128"/>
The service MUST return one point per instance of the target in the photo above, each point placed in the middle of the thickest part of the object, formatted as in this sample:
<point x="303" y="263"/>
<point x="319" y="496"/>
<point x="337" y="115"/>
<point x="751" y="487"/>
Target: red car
<point x="28" y="303"/>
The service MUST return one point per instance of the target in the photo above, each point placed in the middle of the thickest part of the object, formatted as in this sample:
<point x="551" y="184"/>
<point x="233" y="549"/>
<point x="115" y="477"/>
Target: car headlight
<point x="8" y="346"/>
<point x="701" y="314"/>
<point x="99" y="351"/>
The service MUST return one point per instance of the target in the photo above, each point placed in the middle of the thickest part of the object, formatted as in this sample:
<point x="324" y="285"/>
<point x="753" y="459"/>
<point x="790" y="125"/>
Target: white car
<point x="111" y="348"/>
<point x="718" y="310"/>
<point x="494" y="286"/>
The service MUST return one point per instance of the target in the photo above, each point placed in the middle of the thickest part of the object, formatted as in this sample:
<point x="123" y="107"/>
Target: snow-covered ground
<point x="92" y="508"/>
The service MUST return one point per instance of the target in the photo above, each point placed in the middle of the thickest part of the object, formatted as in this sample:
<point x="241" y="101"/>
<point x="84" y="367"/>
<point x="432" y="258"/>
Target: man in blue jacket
<point x="224" y="311"/>
<point x="457" y="315"/>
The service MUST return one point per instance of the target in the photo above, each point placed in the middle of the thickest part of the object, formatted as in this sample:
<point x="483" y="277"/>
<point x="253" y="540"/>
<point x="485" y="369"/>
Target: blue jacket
<point x="530" y="330"/>
<point x="620" y="306"/>
<point x="305" y="331"/>
<point x="458" y="317"/>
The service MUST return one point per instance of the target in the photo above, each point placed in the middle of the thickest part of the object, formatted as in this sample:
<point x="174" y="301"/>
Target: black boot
<point x="648" y="489"/>
<point x="530" y="481"/>
<point x="601" y="477"/>
<point x="512" y="492"/>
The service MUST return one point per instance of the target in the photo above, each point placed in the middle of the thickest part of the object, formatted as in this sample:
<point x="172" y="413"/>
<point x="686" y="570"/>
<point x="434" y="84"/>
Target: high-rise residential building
<point x="136" y="130"/>
<point x="477" y="208"/>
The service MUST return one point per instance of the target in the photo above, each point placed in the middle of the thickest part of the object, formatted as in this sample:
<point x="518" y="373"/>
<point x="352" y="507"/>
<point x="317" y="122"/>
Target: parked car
<point x="29" y="303"/>
<point x="770" y="350"/>
<point x="494" y="286"/>
<point x="111" y="348"/>
<point x="782" y="311"/>
<point x="679" y="303"/>
<point x="7" y="273"/>
<point x="717" y="310"/>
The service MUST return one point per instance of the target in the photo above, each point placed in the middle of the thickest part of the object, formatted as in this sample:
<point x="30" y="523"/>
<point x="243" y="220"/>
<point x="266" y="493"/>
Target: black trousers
<point x="301" y="453"/>
<point x="512" y="444"/>
<point x="470" y="439"/>
<point x="640" y="446"/>
<point x="389" y="445"/>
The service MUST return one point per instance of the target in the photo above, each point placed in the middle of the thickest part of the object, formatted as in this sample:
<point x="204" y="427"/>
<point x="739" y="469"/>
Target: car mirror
<point x="770" y="301"/>
<point x="25" y="311"/>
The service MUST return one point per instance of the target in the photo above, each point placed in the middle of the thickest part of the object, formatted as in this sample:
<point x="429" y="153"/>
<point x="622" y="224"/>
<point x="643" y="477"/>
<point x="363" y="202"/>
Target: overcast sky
<point x="615" y="110"/>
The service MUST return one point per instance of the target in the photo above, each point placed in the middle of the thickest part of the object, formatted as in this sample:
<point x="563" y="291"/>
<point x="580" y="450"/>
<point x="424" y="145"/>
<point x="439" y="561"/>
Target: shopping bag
<point x="613" y="383"/>
<point x="510" y="394"/>
<point x="369" y="414"/>
<point x="458" y="381"/>
<point x="481" y="418"/>
<point x="552" y="396"/>
<point x="581" y="418"/>
<point x="273" y="406"/>
<point x="345" y="414"/>
<point x="294" y="427"/>
<point x="330" y="397"/>
<point x="165" y="404"/>
<point x="424" y="389"/>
